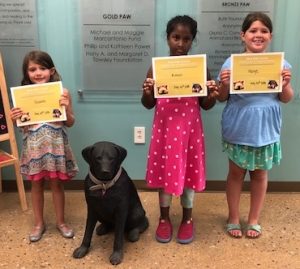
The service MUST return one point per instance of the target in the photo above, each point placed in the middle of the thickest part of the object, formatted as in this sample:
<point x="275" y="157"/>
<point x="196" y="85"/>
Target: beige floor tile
<point x="212" y="248"/>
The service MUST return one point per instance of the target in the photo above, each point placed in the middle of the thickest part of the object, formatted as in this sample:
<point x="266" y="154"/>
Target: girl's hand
<point x="213" y="89"/>
<point x="224" y="85"/>
<point x="287" y="93"/>
<point x="148" y="99"/>
<point x="148" y="85"/>
<point x="225" y="77"/>
<point x="65" y="99"/>
<point x="209" y="101"/>
<point x="286" y="77"/>
<point x="15" y="113"/>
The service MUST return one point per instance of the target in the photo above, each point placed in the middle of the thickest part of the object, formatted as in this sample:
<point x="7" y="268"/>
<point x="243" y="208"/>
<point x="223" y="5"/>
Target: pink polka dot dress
<point x="176" y="158"/>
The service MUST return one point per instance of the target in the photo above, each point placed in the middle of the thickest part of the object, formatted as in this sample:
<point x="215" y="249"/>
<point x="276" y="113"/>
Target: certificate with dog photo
<point x="39" y="103"/>
<point x="256" y="72"/>
<point x="179" y="76"/>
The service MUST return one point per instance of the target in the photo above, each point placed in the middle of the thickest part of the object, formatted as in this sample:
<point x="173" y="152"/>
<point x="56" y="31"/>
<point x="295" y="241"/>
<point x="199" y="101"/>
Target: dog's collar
<point x="104" y="185"/>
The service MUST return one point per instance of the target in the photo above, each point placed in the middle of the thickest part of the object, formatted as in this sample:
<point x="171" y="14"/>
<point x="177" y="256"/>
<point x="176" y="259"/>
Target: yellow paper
<point x="179" y="76"/>
<point x="256" y="72"/>
<point x="39" y="102"/>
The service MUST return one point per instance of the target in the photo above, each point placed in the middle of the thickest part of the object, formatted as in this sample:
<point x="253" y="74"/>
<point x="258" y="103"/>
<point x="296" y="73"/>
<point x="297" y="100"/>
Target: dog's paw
<point x="80" y="252"/>
<point x="134" y="235"/>
<point x="116" y="257"/>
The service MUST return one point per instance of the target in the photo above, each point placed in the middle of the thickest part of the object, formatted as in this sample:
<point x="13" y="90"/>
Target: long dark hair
<point x="42" y="58"/>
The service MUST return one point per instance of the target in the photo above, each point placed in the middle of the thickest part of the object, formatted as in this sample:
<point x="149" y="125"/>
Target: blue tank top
<point x="252" y="119"/>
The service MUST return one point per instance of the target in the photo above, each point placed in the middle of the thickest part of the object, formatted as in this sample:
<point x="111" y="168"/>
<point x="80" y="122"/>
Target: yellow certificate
<point x="39" y="102"/>
<point x="179" y="76"/>
<point x="256" y="72"/>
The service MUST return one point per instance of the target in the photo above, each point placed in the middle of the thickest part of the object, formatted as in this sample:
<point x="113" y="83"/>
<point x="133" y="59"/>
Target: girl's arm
<point x="224" y="85"/>
<point x="148" y="99"/>
<point x="66" y="101"/>
<point x="209" y="101"/>
<point x="287" y="93"/>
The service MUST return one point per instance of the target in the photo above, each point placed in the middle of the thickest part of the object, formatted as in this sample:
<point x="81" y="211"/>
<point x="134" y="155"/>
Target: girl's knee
<point x="165" y="199"/>
<point x="187" y="198"/>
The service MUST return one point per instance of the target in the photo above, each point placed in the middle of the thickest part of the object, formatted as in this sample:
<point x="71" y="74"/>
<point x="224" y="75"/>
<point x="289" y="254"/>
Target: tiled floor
<point x="279" y="246"/>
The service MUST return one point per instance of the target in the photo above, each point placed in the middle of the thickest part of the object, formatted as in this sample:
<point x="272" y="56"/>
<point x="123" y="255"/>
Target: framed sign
<point x="39" y="102"/>
<point x="256" y="72"/>
<point x="19" y="35"/>
<point x="179" y="76"/>
<point x="223" y="22"/>
<point x="117" y="43"/>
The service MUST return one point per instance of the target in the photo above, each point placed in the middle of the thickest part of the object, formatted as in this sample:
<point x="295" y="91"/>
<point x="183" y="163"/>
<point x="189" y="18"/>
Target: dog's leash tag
<point x="103" y="188"/>
<point x="103" y="192"/>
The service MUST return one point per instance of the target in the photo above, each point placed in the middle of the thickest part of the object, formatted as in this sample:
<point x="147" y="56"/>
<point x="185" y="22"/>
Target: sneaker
<point x="185" y="233"/>
<point x="164" y="231"/>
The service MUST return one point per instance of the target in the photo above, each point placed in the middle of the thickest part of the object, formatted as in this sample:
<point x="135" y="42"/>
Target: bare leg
<point x="37" y="197"/>
<point x="258" y="185"/>
<point x="235" y="180"/>
<point x="58" y="196"/>
<point x="187" y="201"/>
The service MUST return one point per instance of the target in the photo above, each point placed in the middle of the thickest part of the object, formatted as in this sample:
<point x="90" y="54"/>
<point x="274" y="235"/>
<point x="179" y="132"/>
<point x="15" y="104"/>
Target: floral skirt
<point x="47" y="153"/>
<point x="252" y="158"/>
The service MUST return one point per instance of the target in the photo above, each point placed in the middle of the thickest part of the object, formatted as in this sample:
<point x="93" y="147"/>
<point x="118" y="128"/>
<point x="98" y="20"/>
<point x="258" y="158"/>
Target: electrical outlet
<point x="139" y="135"/>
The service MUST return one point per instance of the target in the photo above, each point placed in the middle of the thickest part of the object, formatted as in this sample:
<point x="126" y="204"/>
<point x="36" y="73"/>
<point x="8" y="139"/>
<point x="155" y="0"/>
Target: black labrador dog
<point x="111" y="198"/>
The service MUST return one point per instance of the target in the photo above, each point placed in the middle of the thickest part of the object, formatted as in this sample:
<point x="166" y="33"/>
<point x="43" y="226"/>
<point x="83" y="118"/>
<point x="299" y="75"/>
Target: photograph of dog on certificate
<point x="111" y="198"/>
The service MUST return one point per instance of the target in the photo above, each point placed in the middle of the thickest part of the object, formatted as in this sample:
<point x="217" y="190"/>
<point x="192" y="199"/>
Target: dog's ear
<point x="86" y="153"/>
<point x="122" y="153"/>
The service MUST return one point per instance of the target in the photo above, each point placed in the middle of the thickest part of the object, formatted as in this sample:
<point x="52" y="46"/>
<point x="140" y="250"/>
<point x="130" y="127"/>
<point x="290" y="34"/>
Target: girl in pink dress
<point x="176" y="160"/>
<point x="46" y="152"/>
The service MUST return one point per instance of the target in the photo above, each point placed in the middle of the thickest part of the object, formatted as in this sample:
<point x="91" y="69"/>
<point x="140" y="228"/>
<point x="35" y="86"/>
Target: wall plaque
<point x="220" y="25"/>
<point x="18" y="35"/>
<point x="117" y="43"/>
